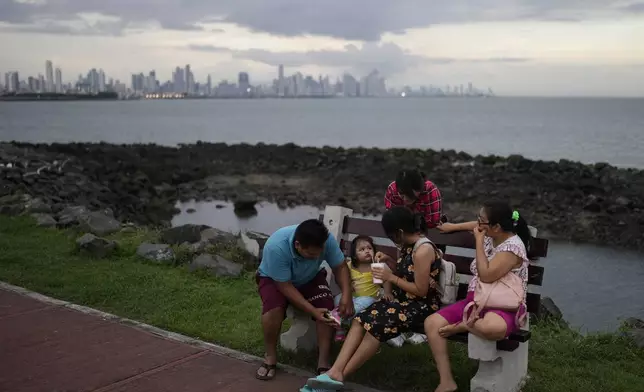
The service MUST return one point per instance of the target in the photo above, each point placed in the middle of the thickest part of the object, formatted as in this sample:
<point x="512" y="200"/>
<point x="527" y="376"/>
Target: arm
<point x="453" y="227"/>
<point x="423" y="260"/>
<point x="295" y="297"/>
<point x="391" y="197"/>
<point x="434" y="210"/>
<point x="490" y="272"/>
<point x="277" y="266"/>
<point x="336" y="260"/>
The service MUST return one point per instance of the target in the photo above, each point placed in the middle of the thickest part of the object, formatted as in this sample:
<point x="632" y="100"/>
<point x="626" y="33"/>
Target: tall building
<point x="189" y="86"/>
<point x="209" y="86"/>
<point x="49" y="71"/>
<point x="243" y="81"/>
<point x="101" y="81"/>
<point x="280" y="80"/>
<point x="59" y="80"/>
<point x="7" y="76"/>
<point x="178" y="80"/>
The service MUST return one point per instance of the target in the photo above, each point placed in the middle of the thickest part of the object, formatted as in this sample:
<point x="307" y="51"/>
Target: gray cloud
<point x="364" y="20"/>
<point x="636" y="8"/>
<point x="388" y="58"/>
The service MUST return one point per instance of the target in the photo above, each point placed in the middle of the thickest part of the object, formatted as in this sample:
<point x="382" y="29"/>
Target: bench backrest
<point x="345" y="227"/>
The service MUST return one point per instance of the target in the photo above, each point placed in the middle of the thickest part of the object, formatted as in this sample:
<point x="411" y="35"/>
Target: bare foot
<point x="451" y="329"/>
<point x="447" y="387"/>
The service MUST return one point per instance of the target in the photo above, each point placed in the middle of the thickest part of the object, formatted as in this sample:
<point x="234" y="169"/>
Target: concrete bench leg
<point x="499" y="371"/>
<point x="302" y="335"/>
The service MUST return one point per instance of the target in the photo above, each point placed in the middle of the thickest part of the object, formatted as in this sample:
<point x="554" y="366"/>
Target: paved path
<point x="49" y="346"/>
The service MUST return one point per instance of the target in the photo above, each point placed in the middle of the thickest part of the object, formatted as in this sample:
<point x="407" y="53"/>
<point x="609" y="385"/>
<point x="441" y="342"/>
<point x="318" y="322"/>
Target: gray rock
<point x="213" y="236"/>
<point x="185" y="233"/>
<point x="550" y="310"/>
<point x="11" y="209"/>
<point x="44" y="220"/>
<point x="623" y="201"/>
<point x="253" y="242"/>
<point x="634" y="329"/>
<point x="15" y="198"/>
<point x="161" y="253"/>
<point x="96" y="246"/>
<point x="37" y="205"/>
<point x="70" y="216"/>
<point x="216" y="265"/>
<point x="98" y="223"/>
<point x="197" y="247"/>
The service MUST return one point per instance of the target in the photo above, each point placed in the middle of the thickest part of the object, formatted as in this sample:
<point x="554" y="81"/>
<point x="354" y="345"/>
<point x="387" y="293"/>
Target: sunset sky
<point x="517" y="47"/>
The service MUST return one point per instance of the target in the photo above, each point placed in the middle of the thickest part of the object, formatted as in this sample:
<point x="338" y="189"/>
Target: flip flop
<point x="323" y="381"/>
<point x="269" y="369"/>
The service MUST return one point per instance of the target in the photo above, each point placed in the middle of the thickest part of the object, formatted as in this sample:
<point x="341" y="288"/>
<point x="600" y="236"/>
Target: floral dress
<point x="387" y="319"/>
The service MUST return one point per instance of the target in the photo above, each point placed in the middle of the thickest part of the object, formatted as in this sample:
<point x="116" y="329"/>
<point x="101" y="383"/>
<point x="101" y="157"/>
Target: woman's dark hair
<point x="402" y="218"/>
<point x="354" y="247"/>
<point x="499" y="212"/>
<point x="410" y="181"/>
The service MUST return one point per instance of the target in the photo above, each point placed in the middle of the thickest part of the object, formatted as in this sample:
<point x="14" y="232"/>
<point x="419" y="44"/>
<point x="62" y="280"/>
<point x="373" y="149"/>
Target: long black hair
<point x="499" y="212"/>
<point x="402" y="219"/>
<point x="354" y="247"/>
<point x="409" y="181"/>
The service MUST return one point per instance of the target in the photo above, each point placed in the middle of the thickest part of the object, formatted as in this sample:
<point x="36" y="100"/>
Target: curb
<point x="177" y="337"/>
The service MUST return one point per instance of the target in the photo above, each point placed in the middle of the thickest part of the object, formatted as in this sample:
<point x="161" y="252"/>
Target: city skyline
<point x="183" y="83"/>
<point x="521" y="47"/>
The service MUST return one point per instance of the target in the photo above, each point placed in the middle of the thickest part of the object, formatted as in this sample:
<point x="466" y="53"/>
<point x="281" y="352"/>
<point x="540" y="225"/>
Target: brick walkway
<point x="50" y="347"/>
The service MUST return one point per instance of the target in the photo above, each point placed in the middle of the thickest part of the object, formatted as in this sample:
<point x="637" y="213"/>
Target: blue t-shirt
<point x="282" y="263"/>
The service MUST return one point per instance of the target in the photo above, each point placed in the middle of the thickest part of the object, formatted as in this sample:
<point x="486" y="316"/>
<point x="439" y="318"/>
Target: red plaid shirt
<point x="429" y="202"/>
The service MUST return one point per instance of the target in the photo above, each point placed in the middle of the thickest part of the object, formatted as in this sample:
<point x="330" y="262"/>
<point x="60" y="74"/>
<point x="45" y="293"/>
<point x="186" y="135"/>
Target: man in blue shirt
<point x="290" y="274"/>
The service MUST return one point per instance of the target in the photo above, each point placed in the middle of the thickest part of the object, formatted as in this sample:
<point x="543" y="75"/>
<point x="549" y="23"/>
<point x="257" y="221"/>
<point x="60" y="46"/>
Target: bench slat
<point x="462" y="263"/>
<point x="460" y="239"/>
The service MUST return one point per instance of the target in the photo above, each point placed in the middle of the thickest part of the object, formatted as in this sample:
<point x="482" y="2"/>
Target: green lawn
<point x="226" y="311"/>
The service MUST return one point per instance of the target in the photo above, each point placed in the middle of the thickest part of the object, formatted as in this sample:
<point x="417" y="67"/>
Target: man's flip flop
<point x="268" y="376"/>
<point x="323" y="381"/>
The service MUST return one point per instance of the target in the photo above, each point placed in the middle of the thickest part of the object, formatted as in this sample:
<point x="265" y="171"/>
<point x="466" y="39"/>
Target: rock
<point x="634" y="329"/>
<point x="185" y="233"/>
<point x="549" y="310"/>
<point x="623" y="201"/>
<point x="245" y="203"/>
<point x="212" y="236"/>
<point x="15" y="198"/>
<point x="37" y="205"/>
<point x="191" y="210"/>
<point x="11" y="209"/>
<point x="197" y="247"/>
<point x="253" y="242"/>
<point x="70" y="216"/>
<point x="216" y="265"/>
<point x="44" y="220"/>
<point x="96" y="246"/>
<point x="161" y="253"/>
<point x="98" y="223"/>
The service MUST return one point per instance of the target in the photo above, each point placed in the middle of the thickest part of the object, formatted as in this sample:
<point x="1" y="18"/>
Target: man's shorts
<point x="317" y="292"/>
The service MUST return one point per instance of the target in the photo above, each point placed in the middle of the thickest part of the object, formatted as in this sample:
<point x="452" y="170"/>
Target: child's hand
<point x="388" y="297"/>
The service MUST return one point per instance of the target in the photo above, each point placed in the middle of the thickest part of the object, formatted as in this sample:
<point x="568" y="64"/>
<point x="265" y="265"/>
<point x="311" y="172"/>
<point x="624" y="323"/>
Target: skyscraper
<point x="280" y="80"/>
<point x="243" y="81"/>
<point x="49" y="72"/>
<point x="59" y="80"/>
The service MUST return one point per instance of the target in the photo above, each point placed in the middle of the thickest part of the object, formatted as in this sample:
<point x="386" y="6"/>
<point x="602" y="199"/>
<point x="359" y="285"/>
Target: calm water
<point x="588" y="130"/>
<point x="594" y="287"/>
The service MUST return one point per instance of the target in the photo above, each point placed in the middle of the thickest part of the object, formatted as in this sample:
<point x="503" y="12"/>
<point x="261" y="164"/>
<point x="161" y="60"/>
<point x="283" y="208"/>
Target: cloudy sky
<point x="517" y="47"/>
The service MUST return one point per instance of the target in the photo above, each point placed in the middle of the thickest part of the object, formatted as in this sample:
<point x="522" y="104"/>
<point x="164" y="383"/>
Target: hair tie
<point x="515" y="217"/>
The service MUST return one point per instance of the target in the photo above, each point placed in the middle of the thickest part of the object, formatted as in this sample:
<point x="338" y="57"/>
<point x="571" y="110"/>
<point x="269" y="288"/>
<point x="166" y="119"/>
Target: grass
<point x="227" y="311"/>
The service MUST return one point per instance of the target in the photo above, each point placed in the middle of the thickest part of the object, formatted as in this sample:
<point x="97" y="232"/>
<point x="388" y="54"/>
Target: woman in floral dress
<point x="415" y="284"/>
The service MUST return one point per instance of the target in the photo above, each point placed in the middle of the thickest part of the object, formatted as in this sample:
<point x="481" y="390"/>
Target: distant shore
<point x="565" y="200"/>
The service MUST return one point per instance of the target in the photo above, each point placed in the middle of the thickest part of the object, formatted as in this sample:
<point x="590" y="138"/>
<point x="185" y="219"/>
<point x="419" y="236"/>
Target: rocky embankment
<point x="141" y="183"/>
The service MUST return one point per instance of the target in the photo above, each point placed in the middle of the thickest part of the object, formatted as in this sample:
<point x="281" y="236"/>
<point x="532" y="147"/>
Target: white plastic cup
<point x="380" y="266"/>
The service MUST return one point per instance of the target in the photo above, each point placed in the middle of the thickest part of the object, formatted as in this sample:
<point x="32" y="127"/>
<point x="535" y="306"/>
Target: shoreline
<point x="590" y="203"/>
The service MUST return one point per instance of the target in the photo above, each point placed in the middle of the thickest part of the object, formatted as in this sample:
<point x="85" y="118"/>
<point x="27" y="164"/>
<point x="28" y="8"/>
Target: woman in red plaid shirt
<point x="414" y="191"/>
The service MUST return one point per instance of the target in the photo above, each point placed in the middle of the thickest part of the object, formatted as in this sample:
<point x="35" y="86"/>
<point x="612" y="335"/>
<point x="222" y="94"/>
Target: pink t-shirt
<point x="512" y="245"/>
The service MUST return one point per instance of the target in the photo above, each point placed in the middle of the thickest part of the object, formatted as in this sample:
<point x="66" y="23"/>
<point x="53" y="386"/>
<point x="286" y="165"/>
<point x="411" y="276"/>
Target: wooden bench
<point x="503" y="365"/>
